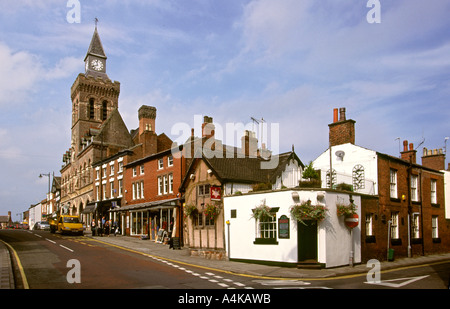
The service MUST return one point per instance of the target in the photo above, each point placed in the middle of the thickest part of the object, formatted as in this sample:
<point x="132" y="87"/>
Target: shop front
<point x="151" y="220"/>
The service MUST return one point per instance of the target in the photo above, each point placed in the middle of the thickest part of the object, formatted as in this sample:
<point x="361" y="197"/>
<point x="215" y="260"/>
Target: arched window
<point x="104" y="110"/>
<point x="358" y="177"/>
<point x="91" y="109"/>
<point x="332" y="181"/>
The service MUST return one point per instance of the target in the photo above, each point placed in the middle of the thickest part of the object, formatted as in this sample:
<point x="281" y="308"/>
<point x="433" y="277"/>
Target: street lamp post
<point x="48" y="193"/>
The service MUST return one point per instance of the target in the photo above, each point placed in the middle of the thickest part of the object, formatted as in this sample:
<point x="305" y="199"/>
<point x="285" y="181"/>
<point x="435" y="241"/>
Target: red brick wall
<point x="383" y="207"/>
<point x="342" y="132"/>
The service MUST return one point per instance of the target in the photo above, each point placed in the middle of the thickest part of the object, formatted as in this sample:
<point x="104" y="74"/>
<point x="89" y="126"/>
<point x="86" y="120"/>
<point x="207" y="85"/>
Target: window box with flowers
<point x="305" y="211"/>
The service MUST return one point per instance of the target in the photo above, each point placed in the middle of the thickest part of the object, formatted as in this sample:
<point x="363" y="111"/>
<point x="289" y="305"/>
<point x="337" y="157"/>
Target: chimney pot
<point x="405" y="145"/>
<point x="342" y="114"/>
<point x="335" y="115"/>
<point x="411" y="146"/>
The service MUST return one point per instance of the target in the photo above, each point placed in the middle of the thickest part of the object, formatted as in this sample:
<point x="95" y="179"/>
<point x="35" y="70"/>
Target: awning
<point x="90" y="208"/>
<point x="162" y="204"/>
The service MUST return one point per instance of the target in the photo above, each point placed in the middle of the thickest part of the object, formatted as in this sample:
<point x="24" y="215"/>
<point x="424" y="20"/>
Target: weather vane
<point x="96" y="21"/>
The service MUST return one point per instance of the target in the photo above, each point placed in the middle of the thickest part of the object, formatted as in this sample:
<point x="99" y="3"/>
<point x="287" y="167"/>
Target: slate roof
<point x="96" y="47"/>
<point x="245" y="170"/>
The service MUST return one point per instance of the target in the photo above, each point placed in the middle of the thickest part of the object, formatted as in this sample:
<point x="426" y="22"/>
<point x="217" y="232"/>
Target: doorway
<point x="307" y="241"/>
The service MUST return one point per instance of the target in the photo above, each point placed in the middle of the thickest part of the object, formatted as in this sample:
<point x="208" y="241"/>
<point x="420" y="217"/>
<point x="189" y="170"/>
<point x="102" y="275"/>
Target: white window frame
<point x="415" y="225"/>
<point x="414" y="190"/>
<point x="394" y="226"/>
<point x="170" y="183"/>
<point x="434" y="227"/>
<point x="160" y="188"/>
<point x="393" y="183"/>
<point x="170" y="161"/>
<point x="433" y="185"/>
<point x="165" y="184"/>
<point x="120" y="187"/>
<point x="267" y="229"/>
<point x="160" y="164"/>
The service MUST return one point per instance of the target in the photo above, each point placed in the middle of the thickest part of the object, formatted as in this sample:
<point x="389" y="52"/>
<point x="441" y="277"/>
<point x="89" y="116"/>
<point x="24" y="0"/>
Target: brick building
<point x="401" y="199"/>
<point x="152" y="177"/>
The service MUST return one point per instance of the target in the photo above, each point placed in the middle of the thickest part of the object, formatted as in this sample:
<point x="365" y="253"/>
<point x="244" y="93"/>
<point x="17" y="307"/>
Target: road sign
<point x="351" y="221"/>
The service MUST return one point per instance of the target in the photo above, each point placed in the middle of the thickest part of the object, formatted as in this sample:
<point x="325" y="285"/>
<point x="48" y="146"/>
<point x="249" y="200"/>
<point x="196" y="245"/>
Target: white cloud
<point x="19" y="73"/>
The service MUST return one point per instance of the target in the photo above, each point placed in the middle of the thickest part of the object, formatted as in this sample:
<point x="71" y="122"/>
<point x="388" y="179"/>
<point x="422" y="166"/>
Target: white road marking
<point x="398" y="285"/>
<point x="66" y="248"/>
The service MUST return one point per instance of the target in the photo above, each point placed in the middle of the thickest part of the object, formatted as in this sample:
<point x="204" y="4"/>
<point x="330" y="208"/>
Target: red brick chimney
<point x="207" y="127"/>
<point x="433" y="158"/>
<point x="147" y="116"/>
<point x="147" y="134"/>
<point x="342" y="131"/>
<point x="249" y="144"/>
<point x="408" y="155"/>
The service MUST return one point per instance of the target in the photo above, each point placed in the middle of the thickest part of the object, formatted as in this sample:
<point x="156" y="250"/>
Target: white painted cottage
<point x="284" y="240"/>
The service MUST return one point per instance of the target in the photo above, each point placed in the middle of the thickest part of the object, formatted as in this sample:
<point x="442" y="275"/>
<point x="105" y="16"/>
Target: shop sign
<point x="283" y="227"/>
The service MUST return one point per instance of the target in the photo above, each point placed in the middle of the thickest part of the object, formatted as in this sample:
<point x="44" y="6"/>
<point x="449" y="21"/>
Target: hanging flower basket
<point x="305" y="211"/>
<point x="189" y="210"/>
<point x="261" y="212"/>
<point x="345" y="209"/>
<point x="212" y="211"/>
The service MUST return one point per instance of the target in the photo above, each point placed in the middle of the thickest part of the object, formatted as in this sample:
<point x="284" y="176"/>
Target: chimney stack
<point x="147" y="116"/>
<point x="147" y="134"/>
<point x="433" y="158"/>
<point x="341" y="131"/>
<point x="408" y="155"/>
<point x="207" y="127"/>
<point x="250" y="144"/>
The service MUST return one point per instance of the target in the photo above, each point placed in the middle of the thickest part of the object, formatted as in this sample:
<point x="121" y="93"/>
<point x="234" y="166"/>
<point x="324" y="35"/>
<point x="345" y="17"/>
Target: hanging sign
<point x="216" y="193"/>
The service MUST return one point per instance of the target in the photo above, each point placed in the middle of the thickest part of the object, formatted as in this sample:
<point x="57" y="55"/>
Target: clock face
<point x="97" y="65"/>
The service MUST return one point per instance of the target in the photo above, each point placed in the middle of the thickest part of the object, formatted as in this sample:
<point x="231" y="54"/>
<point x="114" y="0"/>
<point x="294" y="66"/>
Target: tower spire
<point x="95" y="59"/>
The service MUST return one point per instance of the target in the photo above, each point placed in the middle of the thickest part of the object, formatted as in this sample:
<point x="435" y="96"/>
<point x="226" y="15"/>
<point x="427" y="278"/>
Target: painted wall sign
<point x="283" y="227"/>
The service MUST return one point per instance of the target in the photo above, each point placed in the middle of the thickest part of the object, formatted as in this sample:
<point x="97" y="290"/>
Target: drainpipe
<point x="408" y="179"/>
<point x="389" y="238"/>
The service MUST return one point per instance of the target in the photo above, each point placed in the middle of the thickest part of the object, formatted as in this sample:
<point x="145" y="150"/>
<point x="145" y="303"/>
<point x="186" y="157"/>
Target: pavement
<point x="183" y="256"/>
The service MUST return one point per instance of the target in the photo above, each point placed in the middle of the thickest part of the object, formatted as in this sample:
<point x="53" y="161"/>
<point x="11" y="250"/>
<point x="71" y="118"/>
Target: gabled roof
<point x="113" y="131"/>
<point x="244" y="170"/>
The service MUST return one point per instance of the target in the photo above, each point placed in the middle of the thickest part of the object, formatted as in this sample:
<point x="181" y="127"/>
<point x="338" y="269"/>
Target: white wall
<point x="290" y="177"/>
<point x="353" y="155"/>
<point x="447" y="193"/>
<point x="333" y="237"/>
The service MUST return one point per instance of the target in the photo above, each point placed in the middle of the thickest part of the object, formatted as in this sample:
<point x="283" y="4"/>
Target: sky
<point x="289" y="62"/>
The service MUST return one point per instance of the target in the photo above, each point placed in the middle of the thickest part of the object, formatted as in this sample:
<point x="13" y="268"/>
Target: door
<point x="307" y="241"/>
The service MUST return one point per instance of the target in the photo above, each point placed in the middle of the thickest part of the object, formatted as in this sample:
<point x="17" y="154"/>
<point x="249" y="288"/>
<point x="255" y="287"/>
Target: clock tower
<point x="94" y="96"/>
<point x="95" y="60"/>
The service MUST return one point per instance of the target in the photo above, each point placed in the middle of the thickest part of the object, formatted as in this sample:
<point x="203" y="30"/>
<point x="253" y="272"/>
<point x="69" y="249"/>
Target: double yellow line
<point x="19" y="264"/>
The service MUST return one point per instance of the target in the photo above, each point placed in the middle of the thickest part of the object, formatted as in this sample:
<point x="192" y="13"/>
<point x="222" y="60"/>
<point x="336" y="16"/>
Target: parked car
<point x="42" y="225"/>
